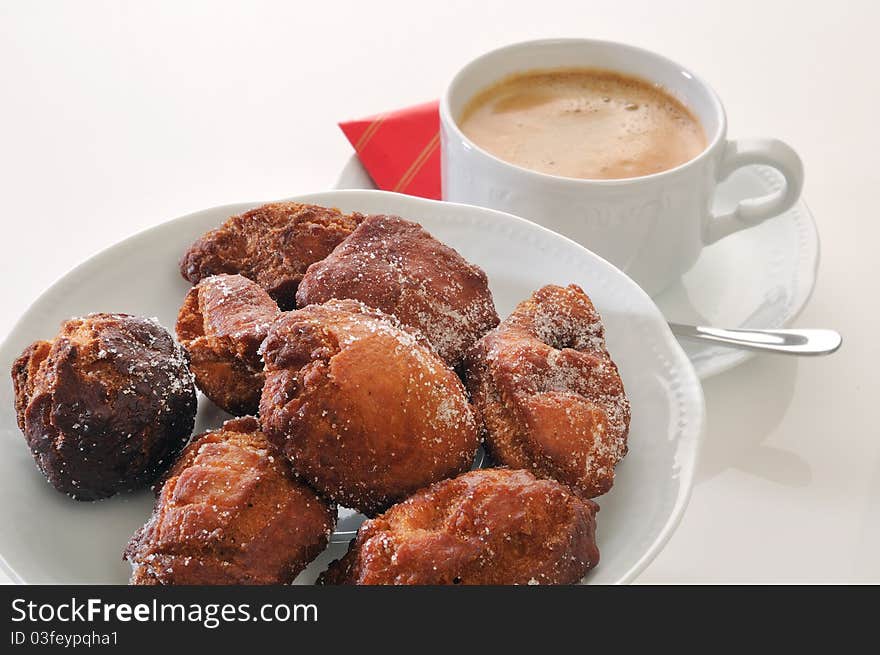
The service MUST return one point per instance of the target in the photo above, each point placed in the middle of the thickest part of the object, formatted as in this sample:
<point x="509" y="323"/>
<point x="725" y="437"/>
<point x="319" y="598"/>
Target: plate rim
<point x="690" y="433"/>
<point x="808" y="260"/>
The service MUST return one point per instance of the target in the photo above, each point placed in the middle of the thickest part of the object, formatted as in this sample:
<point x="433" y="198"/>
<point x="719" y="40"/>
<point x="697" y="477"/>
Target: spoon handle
<point x="789" y="342"/>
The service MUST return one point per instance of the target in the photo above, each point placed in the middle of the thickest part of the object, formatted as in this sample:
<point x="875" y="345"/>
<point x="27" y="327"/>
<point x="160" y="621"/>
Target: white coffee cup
<point x="652" y="227"/>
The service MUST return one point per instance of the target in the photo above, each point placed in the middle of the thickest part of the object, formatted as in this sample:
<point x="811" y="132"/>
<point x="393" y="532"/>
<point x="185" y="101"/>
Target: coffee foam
<point x="583" y="123"/>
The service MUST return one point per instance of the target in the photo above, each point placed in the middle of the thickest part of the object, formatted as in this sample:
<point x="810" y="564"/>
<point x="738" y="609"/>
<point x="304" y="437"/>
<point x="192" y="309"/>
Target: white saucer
<point x="759" y="278"/>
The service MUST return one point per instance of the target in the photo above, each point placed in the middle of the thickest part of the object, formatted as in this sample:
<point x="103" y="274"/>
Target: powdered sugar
<point x="545" y="376"/>
<point x="395" y="265"/>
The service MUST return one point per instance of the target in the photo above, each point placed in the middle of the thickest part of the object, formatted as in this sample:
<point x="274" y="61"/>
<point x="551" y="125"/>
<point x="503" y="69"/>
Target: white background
<point x="115" y="116"/>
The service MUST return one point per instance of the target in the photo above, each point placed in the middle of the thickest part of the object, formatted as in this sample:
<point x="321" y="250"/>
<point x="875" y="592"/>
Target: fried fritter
<point x="549" y="393"/>
<point x="487" y="527"/>
<point x="365" y="410"/>
<point x="222" y="323"/>
<point x="105" y="405"/>
<point x="272" y="245"/>
<point x="394" y="265"/>
<point x="230" y="512"/>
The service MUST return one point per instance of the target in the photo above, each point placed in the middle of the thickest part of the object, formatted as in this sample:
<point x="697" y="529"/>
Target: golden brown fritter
<point x="549" y="394"/>
<point x="230" y="512"/>
<point x="488" y="527"/>
<point x="366" y="412"/>
<point x="272" y="245"/>
<point x="222" y="323"/>
<point x="105" y="405"/>
<point x="396" y="266"/>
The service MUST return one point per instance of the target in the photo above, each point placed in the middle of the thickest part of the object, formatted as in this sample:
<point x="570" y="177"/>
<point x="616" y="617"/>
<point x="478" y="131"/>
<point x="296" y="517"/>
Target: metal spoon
<point x="788" y="342"/>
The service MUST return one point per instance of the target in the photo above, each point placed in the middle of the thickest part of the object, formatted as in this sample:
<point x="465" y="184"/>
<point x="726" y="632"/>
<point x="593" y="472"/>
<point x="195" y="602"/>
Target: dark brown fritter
<point x="549" y="394"/>
<point x="222" y="323"/>
<point x="394" y="265"/>
<point x="230" y="512"/>
<point x="488" y="527"/>
<point x="272" y="245"/>
<point x="105" y="405"/>
<point x="366" y="412"/>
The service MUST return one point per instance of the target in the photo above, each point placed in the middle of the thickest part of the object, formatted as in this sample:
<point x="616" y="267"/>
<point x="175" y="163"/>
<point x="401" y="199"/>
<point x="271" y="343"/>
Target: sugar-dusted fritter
<point x="365" y="410"/>
<point x="396" y="266"/>
<point x="222" y="323"/>
<point x="549" y="393"/>
<point x="105" y="405"/>
<point x="230" y="512"/>
<point x="487" y="527"/>
<point x="272" y="245"/>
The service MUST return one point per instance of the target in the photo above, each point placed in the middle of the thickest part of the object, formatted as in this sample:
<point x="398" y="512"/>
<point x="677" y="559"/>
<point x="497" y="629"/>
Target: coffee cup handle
<point x="752" y="211"/>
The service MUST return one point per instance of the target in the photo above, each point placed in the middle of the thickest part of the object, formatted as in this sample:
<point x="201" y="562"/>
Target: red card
<point x="400" y="149"/>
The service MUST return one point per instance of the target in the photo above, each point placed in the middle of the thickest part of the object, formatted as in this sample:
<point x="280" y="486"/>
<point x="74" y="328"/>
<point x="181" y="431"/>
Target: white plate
<point x="760" y="278"/>
<point x="48" y="538"/>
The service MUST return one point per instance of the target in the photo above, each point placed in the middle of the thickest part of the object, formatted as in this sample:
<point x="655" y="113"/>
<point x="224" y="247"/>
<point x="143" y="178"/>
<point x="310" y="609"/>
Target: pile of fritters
<point x="366" y="363"/>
